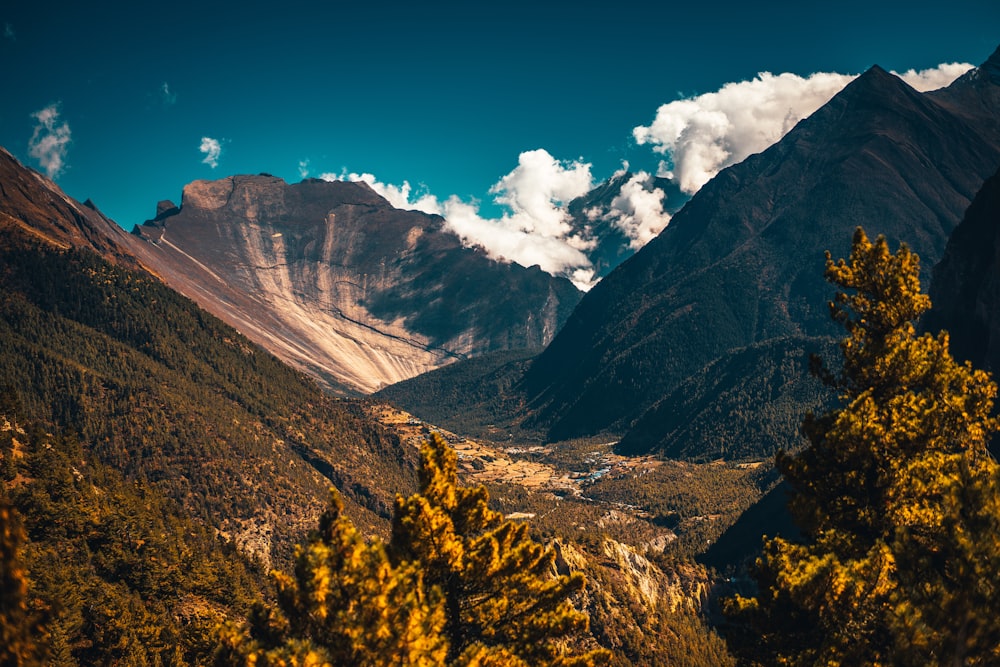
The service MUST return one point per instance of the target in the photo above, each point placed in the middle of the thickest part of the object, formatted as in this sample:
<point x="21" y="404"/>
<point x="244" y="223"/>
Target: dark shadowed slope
<point x="965" y="292"/>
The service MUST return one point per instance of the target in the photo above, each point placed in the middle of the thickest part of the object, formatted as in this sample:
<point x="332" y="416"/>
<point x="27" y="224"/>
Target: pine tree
<point x="346" y="605"/>
<point x="458" y="585"/>
<point x="22" y="635"/>
<point x="896" y="497"/>
<point x="501" y="596"/>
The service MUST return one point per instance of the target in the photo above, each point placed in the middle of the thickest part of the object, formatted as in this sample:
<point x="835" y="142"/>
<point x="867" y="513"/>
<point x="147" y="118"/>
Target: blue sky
<point x="446" y="96"/>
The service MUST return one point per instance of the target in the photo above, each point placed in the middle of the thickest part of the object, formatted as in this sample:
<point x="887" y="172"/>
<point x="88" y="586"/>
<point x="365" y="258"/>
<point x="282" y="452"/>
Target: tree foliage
<point x="456" y="585"/>
<point x="22" y="635"/>
<point x="497" y="583"/>
<point x="164" y="392"/>
<point x="119" y="573"/>
<point x="896" y="496"/>
<point x="345" y="605"/>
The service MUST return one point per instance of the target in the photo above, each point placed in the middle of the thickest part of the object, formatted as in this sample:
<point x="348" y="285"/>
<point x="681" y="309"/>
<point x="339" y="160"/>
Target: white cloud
<point x="303" y="168"/>
<point x="166" y="95"/>
<point x="50" y="140"/>
<point x="704" y="134"/>
<point x="638" y="211"/>
<point x="537" y="229"/>
<point x="534" y="230"/>
<point x="212" y="148"/>
<point x="505" y="239"/>
<point x="397" y="195"/>
<point x="537" y="190"/>
<point x="932" y="79"/>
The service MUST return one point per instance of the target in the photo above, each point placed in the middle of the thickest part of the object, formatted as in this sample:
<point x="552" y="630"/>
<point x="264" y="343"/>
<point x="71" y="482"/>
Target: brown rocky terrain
<point x="36" y="206"/>
<point x="335" y="281"/>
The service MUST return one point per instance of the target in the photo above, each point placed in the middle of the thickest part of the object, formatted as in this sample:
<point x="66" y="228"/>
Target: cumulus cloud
<point x="303" y="168"/>
<point x="506" y="239"/>
<point x="400" y="196"/>
<point x="704" y="134"/>
<point x="212" y="148"/>
<point x="536" y="229"/>
<point x="50" y="140"/>
<point x="932" y="79"/>
<point x="538" y="188"/>
<point x="638" y="210"/>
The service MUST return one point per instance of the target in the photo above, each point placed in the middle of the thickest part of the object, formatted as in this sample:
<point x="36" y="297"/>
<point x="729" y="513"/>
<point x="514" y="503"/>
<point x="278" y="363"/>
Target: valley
<point x="584" y="487"/>
<point x="246" y="381"/>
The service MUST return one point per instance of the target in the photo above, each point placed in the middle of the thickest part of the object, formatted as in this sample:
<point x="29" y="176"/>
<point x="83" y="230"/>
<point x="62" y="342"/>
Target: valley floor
<point x="580" y="487"/>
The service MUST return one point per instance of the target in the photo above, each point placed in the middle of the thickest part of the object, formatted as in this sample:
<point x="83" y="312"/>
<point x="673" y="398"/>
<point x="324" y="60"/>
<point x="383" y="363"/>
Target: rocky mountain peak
<point x="741" y="263"/>
<point x="334" y="280"/>
<point x="35" y="205"/>
<point x="987" y="73"/>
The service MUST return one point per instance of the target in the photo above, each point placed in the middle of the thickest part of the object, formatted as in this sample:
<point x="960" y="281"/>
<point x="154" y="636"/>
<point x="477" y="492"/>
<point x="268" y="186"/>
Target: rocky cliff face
<point x="332" y="279"/>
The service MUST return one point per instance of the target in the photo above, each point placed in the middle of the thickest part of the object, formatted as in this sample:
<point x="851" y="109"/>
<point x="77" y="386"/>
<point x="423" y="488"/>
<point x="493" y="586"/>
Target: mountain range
<point x="734" y="285"/>
<point x="144" y="434"/>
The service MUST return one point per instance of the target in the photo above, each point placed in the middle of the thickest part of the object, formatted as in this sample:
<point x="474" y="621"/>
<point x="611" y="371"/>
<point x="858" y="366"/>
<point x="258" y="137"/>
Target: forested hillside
<point x="164" y="392"/>
<point x="162" y="463"/>
<point x="117" y="572"/>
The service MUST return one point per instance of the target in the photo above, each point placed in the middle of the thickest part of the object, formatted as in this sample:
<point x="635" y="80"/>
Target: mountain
<point x="34" y="205"/>
<point x="332" y="279"/>
<point x="965" y="291"/>
<point x="742" y="262"/>
<point x="734" y="285"/>
<point x="162" y="391"/>
<point x="161" y="461"/>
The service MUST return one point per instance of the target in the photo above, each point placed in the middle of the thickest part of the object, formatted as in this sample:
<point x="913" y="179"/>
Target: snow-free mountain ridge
<point x="332" y="279"/>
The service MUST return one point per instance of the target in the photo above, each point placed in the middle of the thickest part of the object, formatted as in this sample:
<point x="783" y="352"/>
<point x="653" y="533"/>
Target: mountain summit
<point x="711" y="322"/>
<point x="334" y="280"/>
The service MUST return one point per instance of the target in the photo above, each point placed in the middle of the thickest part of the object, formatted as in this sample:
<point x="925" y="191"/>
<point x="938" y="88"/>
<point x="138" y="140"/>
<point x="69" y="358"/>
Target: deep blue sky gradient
<point x="442" y="94"/>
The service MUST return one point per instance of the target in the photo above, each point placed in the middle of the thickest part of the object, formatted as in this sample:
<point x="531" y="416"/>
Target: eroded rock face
<point x="334" y="280"/>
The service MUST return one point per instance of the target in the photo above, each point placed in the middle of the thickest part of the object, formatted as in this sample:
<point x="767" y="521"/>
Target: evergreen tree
<point x="457" y="585"/>
<point x="346" y="605"/>
<point x="501" y="596"/>
<point x="22" y="635"/>
<point x="896" y="497"/>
